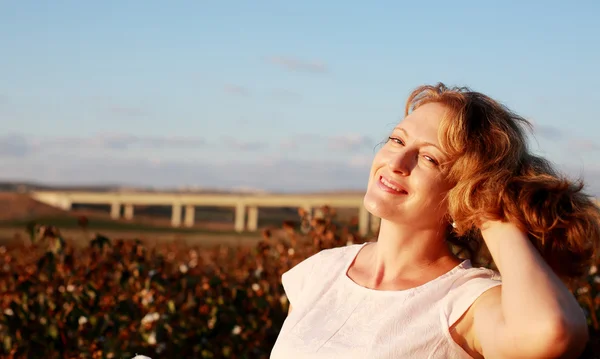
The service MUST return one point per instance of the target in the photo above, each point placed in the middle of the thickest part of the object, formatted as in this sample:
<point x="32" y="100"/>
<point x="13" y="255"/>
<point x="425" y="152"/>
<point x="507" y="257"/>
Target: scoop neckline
<point x="465" y="264"/>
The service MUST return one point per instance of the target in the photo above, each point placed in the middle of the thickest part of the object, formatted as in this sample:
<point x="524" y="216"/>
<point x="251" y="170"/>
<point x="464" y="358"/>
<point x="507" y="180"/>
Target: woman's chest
<point x="341" y="324"/>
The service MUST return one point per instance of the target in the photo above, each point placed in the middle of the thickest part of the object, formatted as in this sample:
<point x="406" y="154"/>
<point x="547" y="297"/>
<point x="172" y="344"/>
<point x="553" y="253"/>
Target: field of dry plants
<point x="116" y="298"/>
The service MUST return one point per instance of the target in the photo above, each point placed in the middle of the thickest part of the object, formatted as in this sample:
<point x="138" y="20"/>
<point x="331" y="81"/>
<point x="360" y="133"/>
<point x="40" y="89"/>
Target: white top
<point x="334" y="317"/>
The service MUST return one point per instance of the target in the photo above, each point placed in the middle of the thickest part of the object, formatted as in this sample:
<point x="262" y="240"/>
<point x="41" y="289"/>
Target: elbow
<point x="564" y="338"/>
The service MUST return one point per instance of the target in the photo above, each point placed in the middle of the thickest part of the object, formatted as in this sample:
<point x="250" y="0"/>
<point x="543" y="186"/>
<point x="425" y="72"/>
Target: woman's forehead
<point x="431" y="113"/>
<point x="424" y="122"/>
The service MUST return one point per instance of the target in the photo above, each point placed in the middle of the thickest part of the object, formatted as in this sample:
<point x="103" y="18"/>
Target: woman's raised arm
<point x="534" y="315"/>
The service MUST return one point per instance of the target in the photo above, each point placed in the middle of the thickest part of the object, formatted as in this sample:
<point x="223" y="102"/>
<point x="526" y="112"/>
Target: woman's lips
<point x="390" y="186"/>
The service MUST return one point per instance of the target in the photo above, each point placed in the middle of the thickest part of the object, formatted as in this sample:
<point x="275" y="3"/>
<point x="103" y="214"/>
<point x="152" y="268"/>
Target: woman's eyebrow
<point x="422" y="142"/>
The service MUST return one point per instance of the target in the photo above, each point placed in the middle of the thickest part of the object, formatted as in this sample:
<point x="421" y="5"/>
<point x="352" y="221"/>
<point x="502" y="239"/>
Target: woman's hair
<point x="496" y="177"/>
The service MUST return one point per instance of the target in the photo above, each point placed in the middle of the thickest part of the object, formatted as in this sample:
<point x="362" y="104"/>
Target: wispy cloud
<point x="127" y="111"/>
<point x="299" y="141"/>
<point x="549" y="132"/>
<point x="360" y="161"/>
<point x="286" y="175"/>
<point x="342" y="143"/>
<point x="572" y="142"/>
<point x="286" y="95"/>
<point x="120" y="141"/>
<point x="238" y="144"/>
<point x="583" y="145"/>
<point x="350" y="143"/>
<point x="294" y="64"/>
<point x="17" y="145"/>
<point x="236" y="90"/>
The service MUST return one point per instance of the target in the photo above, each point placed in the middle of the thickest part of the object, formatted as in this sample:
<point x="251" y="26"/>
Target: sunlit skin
<point x="411" y="157"/>
<point x="531" y="315"/>
<point x="410" y="248"/>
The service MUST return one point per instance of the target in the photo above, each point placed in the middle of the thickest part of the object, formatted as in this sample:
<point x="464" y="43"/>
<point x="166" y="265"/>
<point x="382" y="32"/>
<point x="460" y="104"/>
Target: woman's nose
<point x="401" y="162"/>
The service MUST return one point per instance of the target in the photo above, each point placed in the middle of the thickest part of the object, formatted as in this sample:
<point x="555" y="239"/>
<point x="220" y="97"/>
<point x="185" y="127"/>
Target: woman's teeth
<point x="391" y="186"/>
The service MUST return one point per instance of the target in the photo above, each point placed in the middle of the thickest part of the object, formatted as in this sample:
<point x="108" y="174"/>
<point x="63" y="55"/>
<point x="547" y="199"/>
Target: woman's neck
<point x="403" y="251"/>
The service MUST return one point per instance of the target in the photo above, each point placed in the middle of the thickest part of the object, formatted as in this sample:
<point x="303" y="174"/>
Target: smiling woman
<point x="457" y="171"/>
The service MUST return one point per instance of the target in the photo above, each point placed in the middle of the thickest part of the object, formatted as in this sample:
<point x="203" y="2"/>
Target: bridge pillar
<point x="375" y="222"/>
<point x="190" y="212"/>
<point x="128" y="211"/>
<point x="363" y="221"/>
<point x="240" y="217"/>
<point x="115" y="210"/>
<point x="65" y="204"/>
<point x="176" y="215"/>
<point x="252" y="225"/>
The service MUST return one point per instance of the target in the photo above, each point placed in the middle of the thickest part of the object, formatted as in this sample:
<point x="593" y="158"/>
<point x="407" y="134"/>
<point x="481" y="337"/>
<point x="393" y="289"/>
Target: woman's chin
<point x="381" y="208"/>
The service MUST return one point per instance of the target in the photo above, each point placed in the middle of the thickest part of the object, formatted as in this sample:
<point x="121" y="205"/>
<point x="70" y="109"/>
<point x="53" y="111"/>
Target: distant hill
<point x="15" y="206"/>
<point x="24" y="187"/>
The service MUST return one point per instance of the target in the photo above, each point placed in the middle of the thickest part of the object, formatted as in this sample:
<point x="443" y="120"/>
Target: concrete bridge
<point x="246" y="205"/>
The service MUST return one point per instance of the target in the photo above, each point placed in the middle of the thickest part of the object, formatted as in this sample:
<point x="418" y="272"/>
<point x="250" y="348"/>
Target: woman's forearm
<point x="534" y="300"/>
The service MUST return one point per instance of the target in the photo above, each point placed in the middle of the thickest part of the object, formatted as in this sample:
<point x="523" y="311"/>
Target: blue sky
<point x="287" y="96"/>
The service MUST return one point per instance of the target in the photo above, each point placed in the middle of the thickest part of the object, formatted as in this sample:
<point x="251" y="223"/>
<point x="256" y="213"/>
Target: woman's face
<point x="406" y="184"/>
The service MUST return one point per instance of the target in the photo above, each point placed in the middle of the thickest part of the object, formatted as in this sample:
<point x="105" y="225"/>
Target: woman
<point x="455" y="172"/>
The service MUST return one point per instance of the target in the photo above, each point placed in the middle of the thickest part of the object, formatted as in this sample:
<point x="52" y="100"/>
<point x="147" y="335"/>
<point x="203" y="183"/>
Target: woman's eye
<point x="431" y="159"/>
<point x="399" y="141"/>
<point x="396" y="139"/>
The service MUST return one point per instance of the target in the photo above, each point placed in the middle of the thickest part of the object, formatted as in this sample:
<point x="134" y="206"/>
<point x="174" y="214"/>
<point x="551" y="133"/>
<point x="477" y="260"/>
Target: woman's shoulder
<point x="470" y="283"/>
<point x="471" y="278"/>
<point x="471" y="273"/>
<point x="340" y="252"/>
<point x="325" y="259"/>
<point x="316" y="270"/>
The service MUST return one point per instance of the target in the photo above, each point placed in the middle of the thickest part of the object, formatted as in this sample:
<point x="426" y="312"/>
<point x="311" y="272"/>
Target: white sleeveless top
<point x="334" y="317"/>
